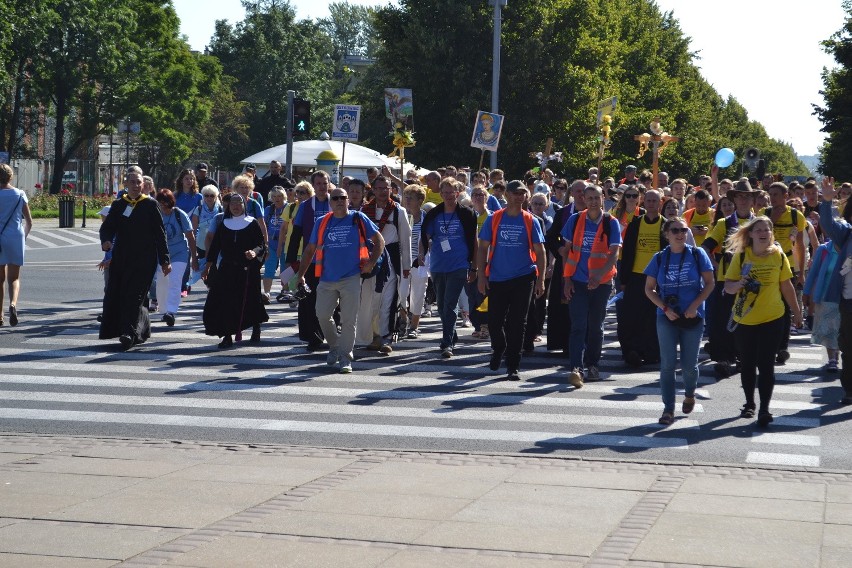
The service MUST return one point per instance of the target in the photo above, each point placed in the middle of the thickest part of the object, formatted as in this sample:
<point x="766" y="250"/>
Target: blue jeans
<point x="588" y="310"/>
<point x="670" y="337"/>
<point x="448" y="288"/>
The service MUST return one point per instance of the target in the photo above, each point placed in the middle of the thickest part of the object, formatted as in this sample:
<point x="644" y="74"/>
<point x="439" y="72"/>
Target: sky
<point x="766" y="53"/>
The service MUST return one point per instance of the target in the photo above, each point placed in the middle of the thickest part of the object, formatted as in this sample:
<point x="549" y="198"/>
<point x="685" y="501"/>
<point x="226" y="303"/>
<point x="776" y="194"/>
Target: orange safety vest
<point x="598" y="255"/>
<point x="495" y="225"/>
<point x="363" y="251"/>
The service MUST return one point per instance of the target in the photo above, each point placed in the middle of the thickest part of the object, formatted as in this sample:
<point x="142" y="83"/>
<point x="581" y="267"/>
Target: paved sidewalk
<point x="90" y="502"/>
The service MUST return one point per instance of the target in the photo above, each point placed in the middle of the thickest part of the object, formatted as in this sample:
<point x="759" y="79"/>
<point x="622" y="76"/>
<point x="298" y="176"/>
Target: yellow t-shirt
<point x="770" y="271"/>
<point x="719" y="233"/>
<point x="699" y="219"/>
<point x="433" y="197"/>
<point x="648" y="243"/>
<point x="480" y="220"/>
<point x="288" y="216"/>
<point x="783" y="229"/>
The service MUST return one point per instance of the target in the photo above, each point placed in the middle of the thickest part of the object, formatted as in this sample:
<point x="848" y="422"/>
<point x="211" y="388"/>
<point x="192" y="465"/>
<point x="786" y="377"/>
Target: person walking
<point x="510" y="264"/>
<point x="234" y="302"/>
<point x="761" y="278"/>
<point x="451" y="230"/>
<point x="337" y="250"/>
<point x="181" y="242"/>
<point x="678" y="281"/>
<point x="592" y="242"/>
<point x="135" y="225"/>
<point x="16" y="222"/>
<point x="825" y="329"/>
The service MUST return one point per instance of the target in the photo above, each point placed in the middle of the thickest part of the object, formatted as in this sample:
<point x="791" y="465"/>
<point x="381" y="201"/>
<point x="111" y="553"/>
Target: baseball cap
<point x="201" y="166"/>
<point x="630" y="168"/>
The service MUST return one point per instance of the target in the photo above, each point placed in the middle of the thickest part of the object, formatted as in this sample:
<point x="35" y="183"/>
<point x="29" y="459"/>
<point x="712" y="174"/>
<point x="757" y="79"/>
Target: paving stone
<point x="838" y="513"/>
<point x="737" y="506"/>
<point x="794" y="491"/>
<point x="464" y="487"/>
<point x="384" y="505"/>
<point x="543" y="538"/>
<point x="341" y="525"/>
<point x="37" y="561"/>
<point x="101" y="466"/>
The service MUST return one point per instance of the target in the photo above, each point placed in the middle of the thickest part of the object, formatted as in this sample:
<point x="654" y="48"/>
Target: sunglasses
<point x="631" y="195"/>
<point x="338" y="198"/>
<point x="678" y="230"/>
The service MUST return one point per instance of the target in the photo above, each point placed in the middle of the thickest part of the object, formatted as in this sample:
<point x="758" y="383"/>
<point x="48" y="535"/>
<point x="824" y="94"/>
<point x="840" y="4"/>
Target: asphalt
<point x="93" y="502"/>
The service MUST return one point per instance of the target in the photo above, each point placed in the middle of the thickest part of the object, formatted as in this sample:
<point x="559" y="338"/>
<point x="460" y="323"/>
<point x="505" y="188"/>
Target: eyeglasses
<point x="631" y="196"/>
<point x="678" y="230"/>
<point x="478" y="195"/>
<point x="338" y="198"/>
<point x="302" y="192"/>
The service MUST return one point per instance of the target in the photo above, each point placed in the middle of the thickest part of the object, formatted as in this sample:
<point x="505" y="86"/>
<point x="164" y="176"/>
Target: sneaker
<point x="284" y="297"/>
<point x="447" y="352"/>
<point x="294" y="304"/>
<point x="169" y="319"/>
<point x="413" y="334"/>
<point x="513" y="375"/>
<point x="782" y="357"/>
<point x="831" y="366"/>
<point x="184" y="294"/>
<point x="266" y="298"/>
<point x="593" y="373"/>
<point x="126" y="341"/>
<point x="575" y="377"/>
<point x="385" y="348"/>
<point x="346" y="368"/>
<point x="153" y="306"/>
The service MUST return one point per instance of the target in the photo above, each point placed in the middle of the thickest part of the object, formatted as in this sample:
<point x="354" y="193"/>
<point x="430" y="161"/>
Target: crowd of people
<point x="525" y="264"/>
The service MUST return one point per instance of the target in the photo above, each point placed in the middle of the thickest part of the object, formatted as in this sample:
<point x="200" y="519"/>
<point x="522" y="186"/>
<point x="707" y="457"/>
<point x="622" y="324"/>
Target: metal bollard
<point x="84" y="215"/>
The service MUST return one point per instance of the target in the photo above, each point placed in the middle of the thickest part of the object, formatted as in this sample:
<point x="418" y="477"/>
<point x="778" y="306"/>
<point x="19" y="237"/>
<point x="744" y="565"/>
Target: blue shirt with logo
<point x="341" y="258"/>
<point x="677" y="275"/>
<point x="581" y="274"/>
<point x="511" y="258"/>
<point x="176" y="224"/>
<point x="448" y="251"/>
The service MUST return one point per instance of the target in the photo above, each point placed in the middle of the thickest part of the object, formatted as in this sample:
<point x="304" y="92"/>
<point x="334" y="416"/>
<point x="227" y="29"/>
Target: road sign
<point x="125" y="127"/>
<point x="347" y="121"/>
<point x="606" y="106"/>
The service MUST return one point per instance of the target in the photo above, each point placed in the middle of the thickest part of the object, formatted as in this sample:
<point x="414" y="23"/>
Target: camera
<point x="672" y="302"/>
<point x="752" y="286"/>
<point x="302" y="292"/>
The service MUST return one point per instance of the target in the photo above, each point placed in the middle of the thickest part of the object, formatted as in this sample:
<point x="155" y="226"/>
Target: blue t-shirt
<point x="582" y="272"/>
<point x="677" y="275"/>
<point x="340" y="245"/>
<point x="511" y="257"/>
<point x="448" y="251"/>
<point x="492" y="204"/>
<point x="320" y="209"/>
<point x="187" y="202"/>
<point x="176" y="224"/>
<point x="254" y="209"/>
<point x="273" y="221"/>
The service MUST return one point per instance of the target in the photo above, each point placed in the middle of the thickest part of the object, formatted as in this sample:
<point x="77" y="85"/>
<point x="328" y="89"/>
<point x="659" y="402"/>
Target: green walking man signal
<point x="301" y="116"/>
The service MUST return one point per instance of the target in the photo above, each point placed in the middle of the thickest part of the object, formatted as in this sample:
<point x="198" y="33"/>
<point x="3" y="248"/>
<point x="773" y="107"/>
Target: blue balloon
<point x="725" y="157"/>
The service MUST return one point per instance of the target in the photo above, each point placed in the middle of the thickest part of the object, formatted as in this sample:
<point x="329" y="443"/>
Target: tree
<point x="559" y="58"/>
<point x="269" y="53"/>
<point x="836" y="114"/>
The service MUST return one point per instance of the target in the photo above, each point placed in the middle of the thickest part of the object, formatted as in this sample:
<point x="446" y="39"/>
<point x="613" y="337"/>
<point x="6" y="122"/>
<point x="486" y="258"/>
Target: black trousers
<point x="309" y="328"/>
<point x="845" y="344"/>
<point x="757" y="346"/>
<point x="637" y="321"/>
<point x="558" y="316"/>
<point x="722" y="346"/>
<point x="508" y="304"/>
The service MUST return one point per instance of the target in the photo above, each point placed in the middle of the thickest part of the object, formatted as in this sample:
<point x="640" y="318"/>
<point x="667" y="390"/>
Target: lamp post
<point x="657" y="141"/>
<point x="495" y="70"/>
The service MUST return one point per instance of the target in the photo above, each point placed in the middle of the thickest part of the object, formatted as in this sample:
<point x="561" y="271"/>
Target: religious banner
<point x="606" y="108"/>
<point x="399" y="108"/>
<point x="486" y="130"/>
<point x="347" y="120"/>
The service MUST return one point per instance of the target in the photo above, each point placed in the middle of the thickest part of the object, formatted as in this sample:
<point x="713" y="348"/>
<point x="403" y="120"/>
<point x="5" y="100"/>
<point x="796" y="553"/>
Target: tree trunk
<point x="16" y="108"/>
<point x="59" y="142"/>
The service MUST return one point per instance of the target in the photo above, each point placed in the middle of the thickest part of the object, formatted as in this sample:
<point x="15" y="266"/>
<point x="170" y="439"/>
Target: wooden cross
<point x="657" y="141"/>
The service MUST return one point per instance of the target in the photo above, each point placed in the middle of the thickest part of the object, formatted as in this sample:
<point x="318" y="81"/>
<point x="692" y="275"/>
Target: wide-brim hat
<point x="743" y="187"/>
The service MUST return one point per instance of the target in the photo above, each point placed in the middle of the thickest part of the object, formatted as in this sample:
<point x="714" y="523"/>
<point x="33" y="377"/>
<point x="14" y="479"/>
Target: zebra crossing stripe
<point x="785" y="439"/>
<point x="798" y="460"/>
<point x="341" y="409"/>
<point x="384" y="430"/>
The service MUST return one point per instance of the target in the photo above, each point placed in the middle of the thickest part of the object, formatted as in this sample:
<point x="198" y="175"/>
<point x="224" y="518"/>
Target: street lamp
<point x="495" y="71"/>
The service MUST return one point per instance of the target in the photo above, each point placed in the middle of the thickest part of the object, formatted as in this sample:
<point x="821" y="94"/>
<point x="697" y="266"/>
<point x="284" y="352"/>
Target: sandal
<point x="667" y="419"/>
<point x="747" y="411"/>
<point x="688" y="404"/>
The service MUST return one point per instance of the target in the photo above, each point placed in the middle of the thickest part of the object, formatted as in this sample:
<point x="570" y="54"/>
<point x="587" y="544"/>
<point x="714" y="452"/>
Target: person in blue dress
<point x="15" y="224"/>
<point x="182" y="251"/>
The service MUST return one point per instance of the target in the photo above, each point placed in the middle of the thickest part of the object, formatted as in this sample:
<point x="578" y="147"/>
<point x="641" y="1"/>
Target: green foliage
<point x="269" y="53"/>
<point x="559" y="58"/>
<point x="836" y="115"/>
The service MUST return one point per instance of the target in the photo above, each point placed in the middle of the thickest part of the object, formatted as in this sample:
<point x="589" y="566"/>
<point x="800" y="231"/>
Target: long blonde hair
<point x="741" y="239"/>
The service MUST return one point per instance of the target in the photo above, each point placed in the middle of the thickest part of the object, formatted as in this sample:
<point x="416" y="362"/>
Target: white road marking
<point x="799" y="460"/>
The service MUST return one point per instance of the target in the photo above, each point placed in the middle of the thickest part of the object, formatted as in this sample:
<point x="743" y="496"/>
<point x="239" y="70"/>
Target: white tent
<point x="355" y="161"/>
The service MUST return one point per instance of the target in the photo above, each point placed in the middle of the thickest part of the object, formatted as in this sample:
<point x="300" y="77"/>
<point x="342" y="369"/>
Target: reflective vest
<point x="363" y="252"/>
<point x="599" y="253"/>
<point x="495" y="225"/>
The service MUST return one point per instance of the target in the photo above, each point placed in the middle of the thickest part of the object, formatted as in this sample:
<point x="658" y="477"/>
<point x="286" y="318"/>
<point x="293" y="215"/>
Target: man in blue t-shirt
<point x="514" y="271"/>
<point x="339" y="240"/>
<point x="450" y="230"/>
<point x="587" y="281"/>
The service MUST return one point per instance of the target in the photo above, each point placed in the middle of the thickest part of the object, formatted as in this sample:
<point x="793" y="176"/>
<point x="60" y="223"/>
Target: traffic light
<point x="301" y="116"/>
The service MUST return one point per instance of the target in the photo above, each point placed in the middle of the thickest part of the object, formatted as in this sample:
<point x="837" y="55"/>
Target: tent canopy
<point x="305" y="155"/>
